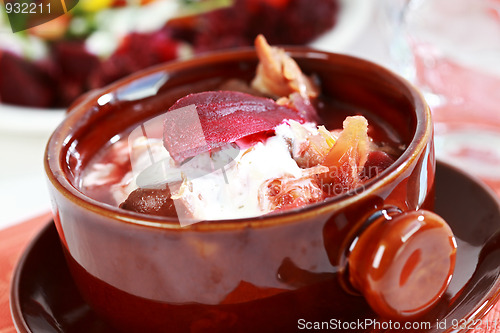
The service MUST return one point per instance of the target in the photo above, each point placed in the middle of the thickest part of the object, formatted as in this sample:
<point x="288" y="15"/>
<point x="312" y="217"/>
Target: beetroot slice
<point x="210" y="120"/>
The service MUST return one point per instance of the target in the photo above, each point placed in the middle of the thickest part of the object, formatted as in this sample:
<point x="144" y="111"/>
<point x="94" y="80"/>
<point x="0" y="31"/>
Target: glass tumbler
<point x="450" y="49"/>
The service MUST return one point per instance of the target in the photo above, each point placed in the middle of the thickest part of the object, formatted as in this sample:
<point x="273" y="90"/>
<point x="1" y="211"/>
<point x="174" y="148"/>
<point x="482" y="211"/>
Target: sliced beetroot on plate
<point x="74" y="60"/>
<point x="136" y="51"/>
<point x="74" y="65"/>
<point x="211" y="120"/>
<point x="24" y="83"/>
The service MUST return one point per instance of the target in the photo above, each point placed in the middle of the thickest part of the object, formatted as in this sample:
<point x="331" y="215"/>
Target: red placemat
<point x="14" y="240"/>
<point x="490" y="323"/>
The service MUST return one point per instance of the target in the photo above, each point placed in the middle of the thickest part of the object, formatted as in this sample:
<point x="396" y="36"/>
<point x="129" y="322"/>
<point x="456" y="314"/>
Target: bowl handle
<point x="403" y="262"/>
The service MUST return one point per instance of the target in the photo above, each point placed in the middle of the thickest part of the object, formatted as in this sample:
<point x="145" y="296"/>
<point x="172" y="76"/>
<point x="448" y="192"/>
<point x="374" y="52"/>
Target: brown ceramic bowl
<point x="149" y="274"/>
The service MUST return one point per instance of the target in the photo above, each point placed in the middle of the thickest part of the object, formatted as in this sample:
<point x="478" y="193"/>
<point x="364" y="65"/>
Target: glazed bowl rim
<point x="55" y="150"/>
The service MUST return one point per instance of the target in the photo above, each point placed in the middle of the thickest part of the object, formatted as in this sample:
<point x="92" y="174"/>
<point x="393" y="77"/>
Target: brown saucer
<point x="45" y="299"/>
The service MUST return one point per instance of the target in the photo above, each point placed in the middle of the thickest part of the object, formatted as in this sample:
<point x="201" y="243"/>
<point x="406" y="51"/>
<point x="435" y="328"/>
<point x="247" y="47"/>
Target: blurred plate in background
<point x="29" y="121"/>
<point x="353" y="18"/>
